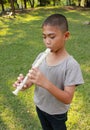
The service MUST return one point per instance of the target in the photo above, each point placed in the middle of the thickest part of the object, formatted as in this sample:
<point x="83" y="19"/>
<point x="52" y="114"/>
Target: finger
<point x="21" y="75"/>
<point x="30" y="75"/>
<point x="34" y="69"/>
<point x="16" y="84"/>
<point x="20" y="79"/>
<point x="30" y="71"/>
<point x="24" y="87"/>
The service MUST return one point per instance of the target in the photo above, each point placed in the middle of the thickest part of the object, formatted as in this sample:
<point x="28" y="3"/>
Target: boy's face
<point x="54" y="38"/>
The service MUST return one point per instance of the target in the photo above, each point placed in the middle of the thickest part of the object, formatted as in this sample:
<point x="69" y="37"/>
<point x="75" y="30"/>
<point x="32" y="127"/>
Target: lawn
<point x="20" y="43"/>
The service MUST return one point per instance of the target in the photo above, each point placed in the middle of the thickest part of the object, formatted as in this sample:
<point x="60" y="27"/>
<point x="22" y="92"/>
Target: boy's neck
<point x="55" y="57"/>
<point x="60" y="53"/>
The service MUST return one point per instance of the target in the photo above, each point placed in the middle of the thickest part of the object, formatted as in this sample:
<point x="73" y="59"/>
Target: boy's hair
<point x="57" y="20"/>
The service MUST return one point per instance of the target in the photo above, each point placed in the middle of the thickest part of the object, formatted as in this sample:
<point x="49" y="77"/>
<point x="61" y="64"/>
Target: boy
<point x="56" y="78"/>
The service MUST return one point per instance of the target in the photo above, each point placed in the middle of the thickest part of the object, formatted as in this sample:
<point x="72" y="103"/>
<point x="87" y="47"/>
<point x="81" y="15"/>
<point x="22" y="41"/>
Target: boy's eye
<point x="43" y="36"/>
<point x="52" y="37"/>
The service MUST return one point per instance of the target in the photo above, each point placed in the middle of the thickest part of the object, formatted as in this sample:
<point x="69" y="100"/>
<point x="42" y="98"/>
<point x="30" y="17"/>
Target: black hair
<point x="57" y="20"/>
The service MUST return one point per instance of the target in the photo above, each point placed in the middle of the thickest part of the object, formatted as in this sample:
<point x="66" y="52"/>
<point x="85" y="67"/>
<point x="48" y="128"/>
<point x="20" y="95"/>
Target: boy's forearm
<point x="62" y="95"/>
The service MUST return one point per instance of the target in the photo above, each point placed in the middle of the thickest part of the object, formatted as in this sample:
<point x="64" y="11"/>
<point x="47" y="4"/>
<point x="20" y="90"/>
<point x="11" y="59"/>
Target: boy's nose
<point x="48" y="41"/>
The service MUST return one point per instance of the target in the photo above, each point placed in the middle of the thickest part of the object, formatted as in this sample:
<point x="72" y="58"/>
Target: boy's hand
<point x="37" y="77"/>
<point x="19" y="80"/>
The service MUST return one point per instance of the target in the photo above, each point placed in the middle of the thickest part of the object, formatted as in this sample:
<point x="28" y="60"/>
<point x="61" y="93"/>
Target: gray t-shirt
<point x="65" y="73"/>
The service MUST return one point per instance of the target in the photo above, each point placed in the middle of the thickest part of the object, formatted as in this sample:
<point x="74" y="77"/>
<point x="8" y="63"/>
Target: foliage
<point x="20" y="42"/>
<point x="20" y="4"/>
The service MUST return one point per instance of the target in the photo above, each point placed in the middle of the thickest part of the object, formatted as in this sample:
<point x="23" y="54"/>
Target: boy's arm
<point x="65" y="95"/>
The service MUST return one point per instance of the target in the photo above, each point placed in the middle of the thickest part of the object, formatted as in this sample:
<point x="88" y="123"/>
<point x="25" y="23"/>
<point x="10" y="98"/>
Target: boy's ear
<point x="67" y="34"/>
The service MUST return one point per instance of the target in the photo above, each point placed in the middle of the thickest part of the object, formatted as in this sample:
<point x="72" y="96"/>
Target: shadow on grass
<point x="14" y="112"/>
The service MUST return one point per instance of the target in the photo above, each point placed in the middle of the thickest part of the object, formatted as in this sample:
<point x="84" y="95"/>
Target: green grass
<point x="20" y="42"/>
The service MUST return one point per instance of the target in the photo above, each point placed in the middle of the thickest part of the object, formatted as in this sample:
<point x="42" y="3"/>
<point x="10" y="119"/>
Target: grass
<point x="20" y="42"/>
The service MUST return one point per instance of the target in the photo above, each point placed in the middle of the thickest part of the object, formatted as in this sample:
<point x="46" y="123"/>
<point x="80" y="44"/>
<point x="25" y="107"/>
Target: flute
<point x="39" y="61"/>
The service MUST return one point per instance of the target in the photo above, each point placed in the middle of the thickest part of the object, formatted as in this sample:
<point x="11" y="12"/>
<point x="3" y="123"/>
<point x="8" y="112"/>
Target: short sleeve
<point x="73" y="74"/>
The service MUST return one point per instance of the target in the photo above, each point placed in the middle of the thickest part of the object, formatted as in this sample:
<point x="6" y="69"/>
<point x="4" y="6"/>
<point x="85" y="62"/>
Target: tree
<point x="44" y="2"/>
<point x="32" y="2"/>
<point x="2" y="4"/>
<point x="79" y="2"/>
<point x="12" y="7"/>
<point x="56" y="2"/>
<point x="87" y="3"/>
<point x="68" y="2"/>
<point x="25" y="5"/>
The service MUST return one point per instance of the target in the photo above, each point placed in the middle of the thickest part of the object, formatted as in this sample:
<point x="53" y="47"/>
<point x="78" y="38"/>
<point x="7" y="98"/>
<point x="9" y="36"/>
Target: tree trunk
<point x="2" y="6"/>
<point x="25" y="5"/>
<point x="13" y="8"/>
<point x="42" y="2"/>
<point x="68" y="2"/>
<point x="54" y="2"/>
<point x="88" y="3"/>
<point x="79" y="3"/>
<point x="32" y="3"/>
